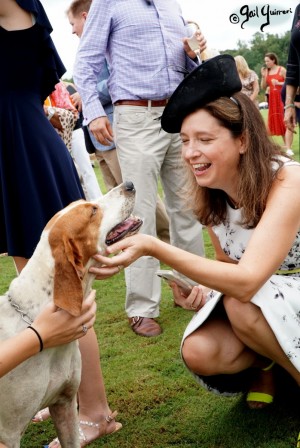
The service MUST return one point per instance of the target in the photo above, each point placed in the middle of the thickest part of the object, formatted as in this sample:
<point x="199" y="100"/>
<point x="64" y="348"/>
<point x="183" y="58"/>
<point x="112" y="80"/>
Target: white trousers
<point x="82" y="159"/>
<point x="146" y="152"/>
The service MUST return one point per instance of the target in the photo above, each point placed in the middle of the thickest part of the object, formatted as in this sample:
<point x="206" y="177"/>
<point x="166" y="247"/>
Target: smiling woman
<point x="207" y="147"/>
<point x="249" y="302"/>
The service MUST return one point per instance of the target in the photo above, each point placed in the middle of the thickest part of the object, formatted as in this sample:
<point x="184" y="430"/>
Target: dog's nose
<point x="128" y="185"/>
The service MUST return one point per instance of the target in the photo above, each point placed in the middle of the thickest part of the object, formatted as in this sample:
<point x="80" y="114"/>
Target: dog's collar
<point x="24" y="315"/>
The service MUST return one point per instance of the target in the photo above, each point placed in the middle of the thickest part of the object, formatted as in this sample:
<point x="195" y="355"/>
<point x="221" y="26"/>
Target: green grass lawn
<point x="159" y="403"/>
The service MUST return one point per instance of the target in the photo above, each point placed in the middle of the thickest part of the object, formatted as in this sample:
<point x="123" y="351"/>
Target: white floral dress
<point x="278" y="299"/>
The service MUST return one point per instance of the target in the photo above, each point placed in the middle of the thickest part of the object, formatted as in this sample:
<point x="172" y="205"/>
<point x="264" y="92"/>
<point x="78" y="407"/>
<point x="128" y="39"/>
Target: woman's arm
<point x="263" y="82"/>
<point x="255" y="90"/>
<point x="283" y="74"/>
<point x="55" y="327"/>
<point x="289" y="108"/>
<point x="267" y="248"/>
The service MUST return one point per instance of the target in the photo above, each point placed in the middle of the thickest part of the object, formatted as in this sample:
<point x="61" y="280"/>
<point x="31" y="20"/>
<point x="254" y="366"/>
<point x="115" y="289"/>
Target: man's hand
<point x="290" y="119"/>
<point x="102" y="130"/>
<point x="201" y="44"/>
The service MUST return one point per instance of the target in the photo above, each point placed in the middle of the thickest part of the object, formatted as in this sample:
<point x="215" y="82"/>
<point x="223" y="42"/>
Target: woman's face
<point x="211" y="152"/>
<point x="269" y="62"/>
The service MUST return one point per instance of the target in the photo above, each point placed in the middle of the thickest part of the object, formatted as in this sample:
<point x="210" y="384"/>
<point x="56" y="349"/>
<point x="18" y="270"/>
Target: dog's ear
<point x="73" y="239"/>
<point x="68" y="273"/>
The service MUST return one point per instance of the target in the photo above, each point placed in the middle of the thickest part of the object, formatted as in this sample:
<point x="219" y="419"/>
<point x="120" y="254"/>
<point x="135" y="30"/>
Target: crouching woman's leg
<point x="215" y="349"/>
<point x="252" y="329"/>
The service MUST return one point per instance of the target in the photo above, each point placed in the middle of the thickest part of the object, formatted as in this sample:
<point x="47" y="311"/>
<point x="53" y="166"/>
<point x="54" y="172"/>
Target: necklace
<point x="232" y="203"/>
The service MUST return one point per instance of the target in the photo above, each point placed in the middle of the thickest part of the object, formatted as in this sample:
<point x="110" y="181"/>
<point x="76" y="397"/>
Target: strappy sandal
<point x="109" y="419"/>
<point x="263" y="399"/>
<point x="84" y="440"/>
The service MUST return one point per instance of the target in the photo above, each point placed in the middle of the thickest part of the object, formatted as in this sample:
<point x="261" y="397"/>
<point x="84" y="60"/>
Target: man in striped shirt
<point x="144" y="43"/>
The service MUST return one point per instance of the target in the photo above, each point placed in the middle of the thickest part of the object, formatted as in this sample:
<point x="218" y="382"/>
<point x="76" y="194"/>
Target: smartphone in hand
<point x="170" y="276"/>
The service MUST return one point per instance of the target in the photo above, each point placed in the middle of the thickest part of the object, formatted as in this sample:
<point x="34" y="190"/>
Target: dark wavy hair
<point x="273" y="57"/>
<point x="256" y="166"/>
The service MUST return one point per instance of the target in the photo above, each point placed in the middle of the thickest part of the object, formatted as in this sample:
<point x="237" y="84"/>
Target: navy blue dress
<point x="37" y="174"/>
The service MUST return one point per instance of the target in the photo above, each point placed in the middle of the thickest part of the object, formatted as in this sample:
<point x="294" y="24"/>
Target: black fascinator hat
<point x="213" y="79"/>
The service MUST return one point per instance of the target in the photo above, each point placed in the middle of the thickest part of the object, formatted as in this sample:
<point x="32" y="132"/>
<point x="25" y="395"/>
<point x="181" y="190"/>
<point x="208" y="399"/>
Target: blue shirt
<point x="143" y="46"/>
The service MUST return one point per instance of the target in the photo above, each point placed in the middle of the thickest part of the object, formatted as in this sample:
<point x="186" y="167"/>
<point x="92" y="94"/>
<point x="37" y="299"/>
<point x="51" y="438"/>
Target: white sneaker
<point x="289" y="152"/>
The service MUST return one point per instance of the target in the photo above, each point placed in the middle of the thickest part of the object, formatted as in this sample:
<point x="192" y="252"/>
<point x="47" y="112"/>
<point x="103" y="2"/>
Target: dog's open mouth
<point x="126" y="228"/>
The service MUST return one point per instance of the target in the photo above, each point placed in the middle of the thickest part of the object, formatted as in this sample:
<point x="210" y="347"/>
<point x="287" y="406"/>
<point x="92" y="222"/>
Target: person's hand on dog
<point x="102" y="271"/>
<point x="58" y="327"/>
<point x="128" y="250"/>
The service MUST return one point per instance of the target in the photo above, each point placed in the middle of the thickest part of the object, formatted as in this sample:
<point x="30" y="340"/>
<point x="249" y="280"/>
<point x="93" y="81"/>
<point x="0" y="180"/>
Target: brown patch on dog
<point x="73" y="239"/>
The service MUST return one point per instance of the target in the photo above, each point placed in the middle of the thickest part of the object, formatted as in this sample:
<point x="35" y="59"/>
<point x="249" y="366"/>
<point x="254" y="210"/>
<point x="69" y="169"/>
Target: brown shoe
<point x="145" y="326"/>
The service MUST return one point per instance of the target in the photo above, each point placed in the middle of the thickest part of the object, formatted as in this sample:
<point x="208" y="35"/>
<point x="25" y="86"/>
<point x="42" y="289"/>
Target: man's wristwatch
<point x="51" y="112"/>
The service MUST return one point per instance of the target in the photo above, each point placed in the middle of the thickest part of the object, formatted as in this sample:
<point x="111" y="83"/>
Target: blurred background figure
<point x="248" y="77"/>
<point x="273" y="76"/>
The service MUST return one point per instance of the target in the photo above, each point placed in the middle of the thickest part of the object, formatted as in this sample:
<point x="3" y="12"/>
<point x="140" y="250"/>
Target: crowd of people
<point x="196" y="128"/>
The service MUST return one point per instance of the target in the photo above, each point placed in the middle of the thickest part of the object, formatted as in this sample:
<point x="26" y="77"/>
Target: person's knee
<point x="199" y="355"/>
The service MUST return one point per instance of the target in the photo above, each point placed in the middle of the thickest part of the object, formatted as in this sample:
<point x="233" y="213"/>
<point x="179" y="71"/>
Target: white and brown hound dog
<point x="57" y="271"/>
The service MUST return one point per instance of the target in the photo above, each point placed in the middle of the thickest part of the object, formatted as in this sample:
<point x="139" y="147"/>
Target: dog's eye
<point x="94" y="210"/>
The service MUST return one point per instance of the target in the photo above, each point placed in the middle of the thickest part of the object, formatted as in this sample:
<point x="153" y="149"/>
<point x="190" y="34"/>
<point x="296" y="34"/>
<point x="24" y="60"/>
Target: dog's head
<point x="82" y="229"/>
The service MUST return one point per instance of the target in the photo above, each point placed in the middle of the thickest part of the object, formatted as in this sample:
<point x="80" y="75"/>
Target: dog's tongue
<point x="118" y="230"/>
<point x="129" y="226"/>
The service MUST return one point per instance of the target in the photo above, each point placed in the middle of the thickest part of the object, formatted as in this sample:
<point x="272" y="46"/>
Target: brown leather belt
<point x="143" y="103"/>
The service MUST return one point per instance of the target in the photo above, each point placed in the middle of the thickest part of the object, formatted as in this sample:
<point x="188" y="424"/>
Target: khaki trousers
<point x="146" y="152"/>
<point x="110" y="167"/>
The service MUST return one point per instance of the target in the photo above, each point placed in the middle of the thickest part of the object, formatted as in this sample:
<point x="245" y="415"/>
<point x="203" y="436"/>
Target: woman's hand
<point x="194" y="301"/>
<point x="58" y="327"/>
<point x="264" y="71"/>
<point x="102" y="271"/>
<point x="127" y="250"/>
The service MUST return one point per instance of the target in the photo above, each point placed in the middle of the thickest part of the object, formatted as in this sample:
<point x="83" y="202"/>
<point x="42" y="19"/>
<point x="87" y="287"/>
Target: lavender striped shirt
<point x="143" y="46"/>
